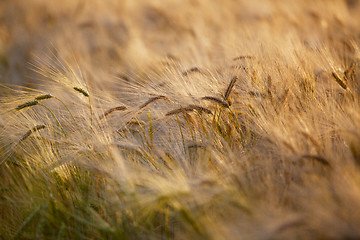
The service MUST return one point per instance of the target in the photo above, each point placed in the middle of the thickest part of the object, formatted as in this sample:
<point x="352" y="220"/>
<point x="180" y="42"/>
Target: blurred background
<point x="110" y="37"/>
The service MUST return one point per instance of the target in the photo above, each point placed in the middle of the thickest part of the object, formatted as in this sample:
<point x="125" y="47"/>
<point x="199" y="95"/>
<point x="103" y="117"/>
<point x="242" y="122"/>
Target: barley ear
<point x="27" y="104"/>
<point x="216" y="100"/>
<point x="153" y="99"/>
<point x="82" y="91"/>
<point x="111" y="110"/>
<point x="34" y="129"/>
<point x="339" y="81"/>
<point x="43" y="97"/>
<point x="230" y="87"/>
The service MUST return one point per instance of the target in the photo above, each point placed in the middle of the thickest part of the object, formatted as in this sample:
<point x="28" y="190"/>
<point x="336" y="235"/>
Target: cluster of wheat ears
<point x="264" y="145"/>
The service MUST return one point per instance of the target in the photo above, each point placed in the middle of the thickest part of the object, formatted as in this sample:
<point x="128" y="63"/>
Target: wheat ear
<point x="111" y="110"/>
<point x="43" y="97"/>
<point x="339" y="81"/>
<point x="82" y="91"/>
<point x="27" y="104"/>
<point x="230" y="87"/>
<point x="153" y="99"/>
<point x="216" y="100"/>
<point x="192" y="70"/>
<point x="189" y="108"/>
<point x="34" y="129"/>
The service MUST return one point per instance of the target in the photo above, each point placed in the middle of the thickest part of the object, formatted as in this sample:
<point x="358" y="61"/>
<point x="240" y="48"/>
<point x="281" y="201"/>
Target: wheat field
<point x="174" y="119"/>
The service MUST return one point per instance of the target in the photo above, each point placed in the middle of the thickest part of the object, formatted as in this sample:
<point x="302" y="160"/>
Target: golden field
<point x="184" y="119"/>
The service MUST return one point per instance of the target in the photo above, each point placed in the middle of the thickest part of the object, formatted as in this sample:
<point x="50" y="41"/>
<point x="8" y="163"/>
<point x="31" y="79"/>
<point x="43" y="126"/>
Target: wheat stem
<point x="68" y="111"/>
<point x="62" y="129"/>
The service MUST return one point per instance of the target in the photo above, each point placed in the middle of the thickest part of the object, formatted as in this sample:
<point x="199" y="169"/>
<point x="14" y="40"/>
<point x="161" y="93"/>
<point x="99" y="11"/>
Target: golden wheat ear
<point x="43" y="97"/>
<point x="216" y="100"/>
<point x="189" y="108"/>
<point x="339" y="81"/>
<point x="243" y="57"/>
<point x="111" y="110"/>
<point x="153" y="99"/>
<point x="31" y="131"/>
<point x="193" y="70"/>
<point x="27" y="104"/>
<point x="229" y="88"/>
<point x="82" y="91"/>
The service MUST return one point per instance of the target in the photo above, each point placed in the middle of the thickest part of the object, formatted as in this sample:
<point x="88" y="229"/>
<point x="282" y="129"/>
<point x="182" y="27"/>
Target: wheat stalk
<point x="57" y="120"/>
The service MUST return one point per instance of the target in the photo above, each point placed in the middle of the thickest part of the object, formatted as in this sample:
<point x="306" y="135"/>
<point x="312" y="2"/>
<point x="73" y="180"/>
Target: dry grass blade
<point x="230" y="87"/>
<point x="43" y="97"/>
<point x="27" y="104"/>
<point x="339" y="81"/>
<point x="153" y="99"/>
<point x="111" y="110"/>
<point x="189" y="109"/>
<point x="34" y="129"/>
<point x="216" y="100"/>
<point x="82" y="91"/>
